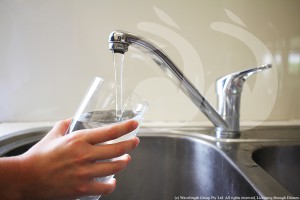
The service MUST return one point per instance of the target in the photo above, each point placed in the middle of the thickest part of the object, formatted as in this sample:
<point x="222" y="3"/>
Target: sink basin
<point x="282" y="163"/>
<point x="164" y="166"/>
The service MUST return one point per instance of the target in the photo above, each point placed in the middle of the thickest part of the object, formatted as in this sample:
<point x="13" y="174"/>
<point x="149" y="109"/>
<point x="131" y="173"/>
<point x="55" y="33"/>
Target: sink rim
<point x="260" y="153"/>
<point x="7" y="142"/>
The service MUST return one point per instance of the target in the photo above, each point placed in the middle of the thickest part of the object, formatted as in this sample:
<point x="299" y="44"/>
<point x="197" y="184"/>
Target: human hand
<point x="64" y="166"/>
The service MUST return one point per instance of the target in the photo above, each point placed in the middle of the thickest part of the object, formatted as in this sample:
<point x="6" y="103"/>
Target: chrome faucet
<point x="229" y="88"/>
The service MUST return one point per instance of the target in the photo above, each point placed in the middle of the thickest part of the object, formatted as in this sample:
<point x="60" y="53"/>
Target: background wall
<point x="51" y="49"/>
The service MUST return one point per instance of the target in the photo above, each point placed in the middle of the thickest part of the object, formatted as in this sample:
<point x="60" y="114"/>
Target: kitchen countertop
<point x="11" y="127"/>
<point x="7" y="128"/>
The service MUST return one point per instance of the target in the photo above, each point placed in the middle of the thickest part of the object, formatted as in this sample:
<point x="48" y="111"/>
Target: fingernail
<point x="129" y="158"/>
<point x="137" y="140"/>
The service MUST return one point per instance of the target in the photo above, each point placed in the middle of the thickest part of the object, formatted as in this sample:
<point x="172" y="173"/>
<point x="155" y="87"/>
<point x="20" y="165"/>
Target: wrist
<point x="10" y="179"/>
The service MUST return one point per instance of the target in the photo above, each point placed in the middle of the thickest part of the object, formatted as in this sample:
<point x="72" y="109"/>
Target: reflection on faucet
<point x="229" y="87"/>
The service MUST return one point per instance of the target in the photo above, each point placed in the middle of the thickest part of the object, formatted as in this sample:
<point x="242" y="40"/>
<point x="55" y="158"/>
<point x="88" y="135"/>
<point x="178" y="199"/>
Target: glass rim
<point x="127" y="91"/>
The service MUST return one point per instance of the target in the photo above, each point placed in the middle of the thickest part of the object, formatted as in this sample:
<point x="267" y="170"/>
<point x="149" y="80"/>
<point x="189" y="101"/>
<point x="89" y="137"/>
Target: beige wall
<point x="50" y="50"/>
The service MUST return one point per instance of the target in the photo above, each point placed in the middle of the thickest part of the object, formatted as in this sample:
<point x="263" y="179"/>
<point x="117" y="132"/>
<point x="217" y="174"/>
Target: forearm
<point x="9" y="178"/>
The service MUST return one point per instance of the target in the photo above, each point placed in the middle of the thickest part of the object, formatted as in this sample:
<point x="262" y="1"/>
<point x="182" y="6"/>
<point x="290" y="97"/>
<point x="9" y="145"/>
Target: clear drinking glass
<point x="99" y="108"/>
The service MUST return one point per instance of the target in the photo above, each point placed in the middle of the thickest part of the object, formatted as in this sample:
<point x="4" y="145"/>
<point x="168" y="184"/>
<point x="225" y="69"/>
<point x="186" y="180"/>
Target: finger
<point x="107" y="168"/>
<point x="109" y="151"/>
<point x="111" y="132"/>
<point x="112" y="183"/>
<point x="60" y="128"/>
<point x="103" y="188"/>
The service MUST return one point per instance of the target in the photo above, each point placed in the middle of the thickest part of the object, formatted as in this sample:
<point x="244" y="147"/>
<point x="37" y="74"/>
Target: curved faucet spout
<point x="229" y="87"/>
<point x="119" y="42"/>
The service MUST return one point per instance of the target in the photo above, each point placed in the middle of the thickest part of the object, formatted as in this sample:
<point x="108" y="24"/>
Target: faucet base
<point x="221" y="133"/>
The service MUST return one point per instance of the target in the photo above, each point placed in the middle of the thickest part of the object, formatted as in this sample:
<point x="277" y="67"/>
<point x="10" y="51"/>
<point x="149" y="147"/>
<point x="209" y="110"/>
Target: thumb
<point x="60" y="128"/>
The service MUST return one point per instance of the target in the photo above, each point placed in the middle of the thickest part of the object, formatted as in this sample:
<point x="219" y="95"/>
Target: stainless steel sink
<point x="170" y="163"/>
<point x="282" y="163"/>
<point x="167" y="166"/>
<point x="164" y="166"/>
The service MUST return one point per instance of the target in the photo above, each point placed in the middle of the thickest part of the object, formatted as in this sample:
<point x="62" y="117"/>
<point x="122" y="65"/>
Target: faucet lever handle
<point x="233" y="83"/>
<point x="229" y="89"/>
